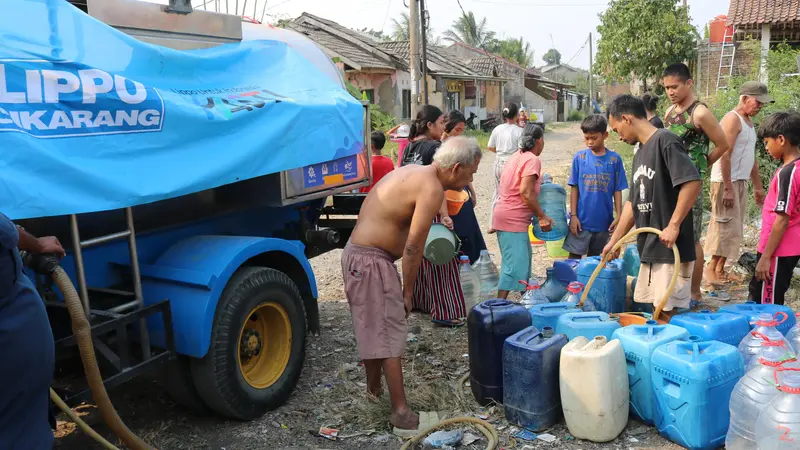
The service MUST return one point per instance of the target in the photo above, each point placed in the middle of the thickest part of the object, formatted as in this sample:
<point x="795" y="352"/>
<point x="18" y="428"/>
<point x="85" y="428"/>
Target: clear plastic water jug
<point x="773" y="343"/>
<point x="470" y="285"/>
<point x="765" y="324"/>
<point x="778" y="425"/>
<point x="553" y="201"/>
<point x="574" y="292"/>
<point x="487" y="274"/>
<point x="751" y="395"/>
<point x="553" y="288"/>
<point x="533" y="294"/>
<point x="793" y="336"/>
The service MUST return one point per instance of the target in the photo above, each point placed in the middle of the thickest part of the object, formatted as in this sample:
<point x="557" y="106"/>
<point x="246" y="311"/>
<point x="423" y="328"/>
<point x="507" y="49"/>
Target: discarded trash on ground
<point x="444" y="438"/>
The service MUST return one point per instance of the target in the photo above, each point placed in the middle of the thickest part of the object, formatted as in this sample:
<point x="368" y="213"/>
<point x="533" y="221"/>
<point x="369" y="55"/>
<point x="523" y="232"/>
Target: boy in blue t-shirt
<point x="597" y="180"/>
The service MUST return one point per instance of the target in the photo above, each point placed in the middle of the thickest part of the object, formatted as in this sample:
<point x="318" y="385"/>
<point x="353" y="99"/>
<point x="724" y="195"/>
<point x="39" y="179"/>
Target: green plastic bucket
<point x="442" y="245"/>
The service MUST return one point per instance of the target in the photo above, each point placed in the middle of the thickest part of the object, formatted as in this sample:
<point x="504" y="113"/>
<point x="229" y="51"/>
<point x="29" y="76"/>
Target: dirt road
<point x="330" y="392"/>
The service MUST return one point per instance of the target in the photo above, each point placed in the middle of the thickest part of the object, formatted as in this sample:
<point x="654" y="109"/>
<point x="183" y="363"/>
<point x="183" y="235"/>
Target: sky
<point x="563" y="24"/>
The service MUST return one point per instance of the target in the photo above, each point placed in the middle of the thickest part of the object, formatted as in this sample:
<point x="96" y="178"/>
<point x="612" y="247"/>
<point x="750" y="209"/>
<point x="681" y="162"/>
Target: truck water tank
<point x="693" y="381"/>
<point x="607" y="293"/>
<point x="531" y="396"/>
<point x="587" y="324"/>
<point x="711" y="326"/>
<point x="594" y="388"/>
<point x="639" y="342"/>
<point x="488" y="325"/>
<point x="717" y="30"/>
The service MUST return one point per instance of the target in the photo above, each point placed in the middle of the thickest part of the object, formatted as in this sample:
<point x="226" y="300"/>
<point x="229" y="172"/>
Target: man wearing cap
<point x="729" y="178"/>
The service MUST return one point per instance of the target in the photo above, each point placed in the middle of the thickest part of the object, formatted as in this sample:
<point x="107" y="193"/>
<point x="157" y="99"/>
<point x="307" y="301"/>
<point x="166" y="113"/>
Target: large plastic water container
<point x="553" y="201"/>
<point x="750" y="396"/>
<point x="693" y="381"/>
<point x="574" y="292"/>
<point x="639" y="342"/>
<point x="552" y="288"/>
<point x="751" y="344"/>
<point x="778" y="425"/>
<point x="793" y="336"/>
<point x="470" y="285"/>
<point x="531" y="397"/>
<point x="488" y="326"/>
<point x="711" y="326"/>
<point x="772" y="341"/>
<point x="587" y="324"/>
<point x="631" y="261"/>
<point x="566" y="271"/>
<point x="487" y="275"/>
<point x="594" y="388"/>
<point x="607" y="294"/>
<point x="752" y="310"/>
<point x="547" y="314"/>
<point x="533" y="295"/>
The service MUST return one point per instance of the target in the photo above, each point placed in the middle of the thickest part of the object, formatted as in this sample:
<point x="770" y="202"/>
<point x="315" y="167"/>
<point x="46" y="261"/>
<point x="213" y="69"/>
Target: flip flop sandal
<point x="449" y="323"/>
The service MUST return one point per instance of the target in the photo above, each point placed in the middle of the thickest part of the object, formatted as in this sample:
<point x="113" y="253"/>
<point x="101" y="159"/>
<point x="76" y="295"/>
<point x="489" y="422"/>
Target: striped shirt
<point x="783" y="198"/>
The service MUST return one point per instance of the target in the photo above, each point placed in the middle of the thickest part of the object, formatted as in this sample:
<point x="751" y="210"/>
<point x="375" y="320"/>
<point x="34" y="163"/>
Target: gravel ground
<point x="330" y="392"/>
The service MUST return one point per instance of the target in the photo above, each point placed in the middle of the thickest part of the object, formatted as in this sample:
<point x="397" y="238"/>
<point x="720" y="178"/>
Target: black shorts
<point x="774" y="289"/>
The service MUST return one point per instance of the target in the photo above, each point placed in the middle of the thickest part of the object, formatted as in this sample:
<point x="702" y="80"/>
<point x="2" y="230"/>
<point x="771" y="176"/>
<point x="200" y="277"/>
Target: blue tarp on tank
<point x="92" y="119"/>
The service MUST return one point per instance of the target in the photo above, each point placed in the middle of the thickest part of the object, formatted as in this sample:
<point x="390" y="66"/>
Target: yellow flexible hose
<point x="81" y="424"/>
<point x="83" y="335"/>
<point x="483" y="426"/>
<point x="616" y="247"/>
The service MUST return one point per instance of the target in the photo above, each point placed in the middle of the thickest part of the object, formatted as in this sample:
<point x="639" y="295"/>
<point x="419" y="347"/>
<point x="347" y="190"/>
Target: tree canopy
<point x="400" y="30"/>
<point x="468" y="30"/>
<point x="641" y="37"/>
<point x="552" y="56"/>
<point x="516" y="50"/>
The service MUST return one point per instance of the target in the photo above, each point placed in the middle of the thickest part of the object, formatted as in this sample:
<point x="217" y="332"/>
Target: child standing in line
<point x="381" y="165"/>
<point x="779" y="245"/>
<point x="596" y="181"/>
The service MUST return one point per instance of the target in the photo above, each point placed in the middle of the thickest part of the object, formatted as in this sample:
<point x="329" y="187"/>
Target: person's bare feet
<point x="491" y="231"/>
<point x="372" y="398"/>
<point x="404" y="419"/>
<point x="710" y="276"/>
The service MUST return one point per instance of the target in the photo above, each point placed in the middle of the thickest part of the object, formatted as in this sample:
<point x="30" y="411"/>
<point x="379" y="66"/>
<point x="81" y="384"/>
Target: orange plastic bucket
<point x="635" y="318"/>
<point x="455" y="200"/>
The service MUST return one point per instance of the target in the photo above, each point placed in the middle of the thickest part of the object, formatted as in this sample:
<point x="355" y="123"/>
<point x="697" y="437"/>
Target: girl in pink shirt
<point x="517" y="202"/>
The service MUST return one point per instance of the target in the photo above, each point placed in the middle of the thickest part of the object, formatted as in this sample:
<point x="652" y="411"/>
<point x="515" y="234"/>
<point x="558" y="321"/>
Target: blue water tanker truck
<point x="191" y="163"/>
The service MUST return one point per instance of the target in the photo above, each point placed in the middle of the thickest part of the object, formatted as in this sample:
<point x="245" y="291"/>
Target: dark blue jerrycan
<point x="531" y="396"/>
<point x="607" y="293"/>
<point x="488" y="325"/>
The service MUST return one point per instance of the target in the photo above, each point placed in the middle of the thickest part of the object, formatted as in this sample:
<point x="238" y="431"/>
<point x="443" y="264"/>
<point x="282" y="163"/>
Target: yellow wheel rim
<point x="265" y="344"/>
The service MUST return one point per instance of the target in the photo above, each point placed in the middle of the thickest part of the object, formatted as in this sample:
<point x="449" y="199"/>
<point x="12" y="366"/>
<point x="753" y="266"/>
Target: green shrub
<point x="575" y="116"/>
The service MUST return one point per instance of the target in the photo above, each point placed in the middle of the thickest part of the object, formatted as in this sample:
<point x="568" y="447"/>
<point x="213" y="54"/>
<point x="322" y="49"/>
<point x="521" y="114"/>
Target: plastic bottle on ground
<point x="487" y="274"/>
<point x="751" y="395"/>
<point x="470" y="285"/>
<point x="778" y="425"/>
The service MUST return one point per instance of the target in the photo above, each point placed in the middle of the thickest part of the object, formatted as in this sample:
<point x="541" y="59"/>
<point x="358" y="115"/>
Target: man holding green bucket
<point x="394" y="222"/>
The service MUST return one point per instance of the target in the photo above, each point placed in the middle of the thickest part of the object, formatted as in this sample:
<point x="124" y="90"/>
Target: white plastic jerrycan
<point x="594" y="388"/>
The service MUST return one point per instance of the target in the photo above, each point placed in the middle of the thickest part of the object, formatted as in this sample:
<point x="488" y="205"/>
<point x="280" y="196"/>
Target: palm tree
<point x="517" y="50"/>
<point x="400" y="30"/>
<point x="466" y="29"/>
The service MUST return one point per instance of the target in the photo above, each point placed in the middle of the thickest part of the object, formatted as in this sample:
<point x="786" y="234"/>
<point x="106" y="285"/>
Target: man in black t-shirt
<point x="664" y="187"/>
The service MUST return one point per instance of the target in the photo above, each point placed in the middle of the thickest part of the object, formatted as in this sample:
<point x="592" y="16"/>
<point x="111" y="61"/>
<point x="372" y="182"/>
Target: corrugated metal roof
<point x="757" y="12"/>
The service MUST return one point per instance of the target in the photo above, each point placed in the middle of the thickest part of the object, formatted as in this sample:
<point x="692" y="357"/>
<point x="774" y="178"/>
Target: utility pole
<point x="591" y="77"/>
<point x="424" y="27"/>
<point x="413" y="18"/>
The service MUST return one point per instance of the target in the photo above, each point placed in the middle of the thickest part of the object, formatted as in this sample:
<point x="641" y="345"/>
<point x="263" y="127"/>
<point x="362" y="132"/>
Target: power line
<point x="578" y="52"/>
<point x="492" y="2"/>
<point x="386" y="17"/>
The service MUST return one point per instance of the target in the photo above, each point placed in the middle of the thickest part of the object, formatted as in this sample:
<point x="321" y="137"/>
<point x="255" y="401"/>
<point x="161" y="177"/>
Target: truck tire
<point x="257" y="345"/>
<point x="177" y="381"/>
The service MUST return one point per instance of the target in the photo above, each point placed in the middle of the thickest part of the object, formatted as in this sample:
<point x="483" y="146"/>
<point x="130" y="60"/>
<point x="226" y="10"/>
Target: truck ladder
<point x="80" y="273"/>
<point x="726" y="57"/>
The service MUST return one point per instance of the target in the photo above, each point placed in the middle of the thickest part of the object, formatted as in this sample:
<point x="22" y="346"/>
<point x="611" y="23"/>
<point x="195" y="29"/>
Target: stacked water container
<point x="639" y="343"/>
<point x="587" y="324"/>
<point x="693" y="381"/>
<point x="752" y="311"/>
<point x="778" y="425"/>
<point x="711" y="326"/>
<point x="765" y="325"/>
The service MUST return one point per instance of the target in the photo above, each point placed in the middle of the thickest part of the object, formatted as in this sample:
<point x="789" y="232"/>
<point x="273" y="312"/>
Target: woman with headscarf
<point x="517" y="201"/>
<point x="438" y="288"/>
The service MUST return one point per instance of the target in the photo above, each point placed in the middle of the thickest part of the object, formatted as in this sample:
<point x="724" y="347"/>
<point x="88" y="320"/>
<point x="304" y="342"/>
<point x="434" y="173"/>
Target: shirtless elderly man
<point x="393" y="223"/>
